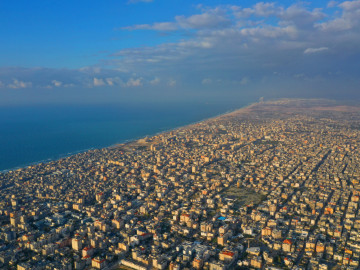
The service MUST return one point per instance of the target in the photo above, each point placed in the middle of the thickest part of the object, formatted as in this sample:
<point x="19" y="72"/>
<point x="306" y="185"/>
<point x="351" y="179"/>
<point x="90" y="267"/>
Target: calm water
<point x="33" y="134"/>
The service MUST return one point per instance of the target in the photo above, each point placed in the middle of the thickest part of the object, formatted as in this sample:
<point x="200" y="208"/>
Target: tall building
<point x="76" y="244"/>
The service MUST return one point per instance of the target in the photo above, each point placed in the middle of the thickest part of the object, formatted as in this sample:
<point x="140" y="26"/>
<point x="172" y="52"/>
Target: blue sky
<point x="108" y="51"/>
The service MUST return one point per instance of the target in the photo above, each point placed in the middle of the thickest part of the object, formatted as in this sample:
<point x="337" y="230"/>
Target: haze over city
<point x="159" y="50"/>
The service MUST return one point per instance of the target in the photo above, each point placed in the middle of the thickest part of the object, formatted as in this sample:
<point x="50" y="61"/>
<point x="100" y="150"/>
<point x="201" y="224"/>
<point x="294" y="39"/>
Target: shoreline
<point x="128" y="141"/>
<point x="245" y="109"/>
<point x="230" y="112"/>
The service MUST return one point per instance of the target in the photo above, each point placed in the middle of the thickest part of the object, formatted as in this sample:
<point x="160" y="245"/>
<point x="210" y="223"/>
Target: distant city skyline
<point x="160" y="51"/>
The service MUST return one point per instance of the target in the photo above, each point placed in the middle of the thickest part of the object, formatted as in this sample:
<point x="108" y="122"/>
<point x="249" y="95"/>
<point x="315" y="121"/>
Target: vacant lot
<point x="242" y="196"/>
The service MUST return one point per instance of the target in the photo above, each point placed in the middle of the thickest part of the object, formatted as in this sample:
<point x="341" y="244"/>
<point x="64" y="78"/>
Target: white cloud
<point x="155" y="81"/>
<point x="95" y="70"/>
<point x="204" y="20"/>
<point x="98" y="82"/>
<point x="138" y="1"/>
<point x="109" y="81"/>
<point x="160" y="26"/>
<point x="270" y="31"/>
<point x="206" y="81"/>
<point x="17" y="84"/>
<point x="134" y="82"/>
<point x="196" y="43"/>
<point x="315" y="50"/>
<point x="225" y="41"/>
<point x="69" y="85"/>
<point x="349" y="19"/>
<point x="332" y="4"/>
<point x="339" y="24"/>
<point x="224" y="38"/>
<point x="56" y="83"/>
<point x="265" y="9"/>
<point x="114" y="81"/>
<point x="208" y="20"/>
<point x="259" y="9"/>
<point x="350" y="5"/>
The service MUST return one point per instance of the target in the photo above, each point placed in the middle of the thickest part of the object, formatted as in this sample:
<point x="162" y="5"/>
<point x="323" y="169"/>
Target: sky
<point x="62" y="51"/>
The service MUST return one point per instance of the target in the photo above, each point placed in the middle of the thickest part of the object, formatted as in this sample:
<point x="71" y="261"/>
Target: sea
<point x="33" y="134"/>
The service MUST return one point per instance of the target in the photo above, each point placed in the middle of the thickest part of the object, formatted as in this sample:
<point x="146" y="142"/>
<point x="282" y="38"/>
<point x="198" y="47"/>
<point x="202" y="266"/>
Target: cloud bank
<point x="266" y="48"/>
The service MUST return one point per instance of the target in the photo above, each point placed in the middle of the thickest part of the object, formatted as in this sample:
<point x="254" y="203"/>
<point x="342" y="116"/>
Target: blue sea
<point x="31" y="134"/>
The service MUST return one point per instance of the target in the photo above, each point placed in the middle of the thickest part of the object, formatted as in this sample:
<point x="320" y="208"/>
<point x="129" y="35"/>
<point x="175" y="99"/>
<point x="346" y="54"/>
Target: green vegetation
<point x="266" y="142"/>
<point x="242" y="196"/>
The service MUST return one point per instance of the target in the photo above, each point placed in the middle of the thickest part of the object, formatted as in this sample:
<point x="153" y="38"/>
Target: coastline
<point x="227" y="113"/>
<point x="273" y="103"/>
<point x="128" y="142"/>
